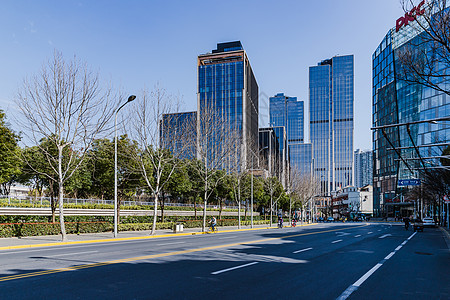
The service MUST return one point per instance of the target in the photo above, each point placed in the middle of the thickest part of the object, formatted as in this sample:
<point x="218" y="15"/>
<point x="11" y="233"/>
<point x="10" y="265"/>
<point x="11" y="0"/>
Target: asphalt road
<point x="325" y="261"/>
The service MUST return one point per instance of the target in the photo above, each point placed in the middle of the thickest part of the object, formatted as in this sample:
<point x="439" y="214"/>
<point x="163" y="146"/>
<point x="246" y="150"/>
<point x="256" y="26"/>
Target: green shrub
<point x="34" y="229"/>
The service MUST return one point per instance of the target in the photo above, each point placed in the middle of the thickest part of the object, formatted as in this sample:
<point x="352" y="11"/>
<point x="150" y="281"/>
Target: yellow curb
<point x="127" y="239"/>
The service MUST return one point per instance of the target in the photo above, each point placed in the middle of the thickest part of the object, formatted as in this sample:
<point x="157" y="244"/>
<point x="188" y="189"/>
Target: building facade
<point x="363" y="168"/>
<point x="331" y="100"/>
<point x="273" y="148"/>
<point x="288" y="112"/>
<point x="227" y="88"/>
<point x="178" y="133"/>
<point x="396" y="100"/>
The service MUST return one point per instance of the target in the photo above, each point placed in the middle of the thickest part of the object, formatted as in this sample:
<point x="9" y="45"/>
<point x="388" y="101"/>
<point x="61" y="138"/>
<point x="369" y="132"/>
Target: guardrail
<point x="46" y="201"/>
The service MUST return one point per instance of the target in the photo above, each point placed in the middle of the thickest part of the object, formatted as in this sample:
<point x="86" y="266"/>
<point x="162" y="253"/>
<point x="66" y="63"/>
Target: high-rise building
<point x="273" y="147"/>
<point x="363" y="168"/>
<point x="178" y="133"/>
<point x="331" y="97"/>
<point x="227" y="85"/>
<point x="396" y="149"/>
<point x="288" y="112"/>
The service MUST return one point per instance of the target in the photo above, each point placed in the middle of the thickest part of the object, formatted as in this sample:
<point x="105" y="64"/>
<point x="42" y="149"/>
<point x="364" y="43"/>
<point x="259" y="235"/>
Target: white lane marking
<point x="390" y="255"/>
<point x="367" y="275"/>
<point x="386" y="235"/>
<point x="336" y="241"/>
<point x="234" y="268"/>
<point x="54" y="248"/>
<point x="303" y="250"/>
<point x="379" y="229"/>
<point x="76" y="253"/>
<point x="403" y="244"/>
<point x="358" y="235"/>
<point x="369" y="232"/>
<point x="173" y="243"/>
<point x="398" y="248"/>
<point x="361" y="280"/>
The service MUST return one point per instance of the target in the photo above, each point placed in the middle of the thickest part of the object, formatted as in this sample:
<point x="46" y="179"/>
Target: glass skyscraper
<point x="288" y="112"/>
<point x="331" y="97"/>
<point x="363" y="168"/>
<point x="178" y="133"/>
<point x="227" y="85"/>
<point x="397" y="101"/>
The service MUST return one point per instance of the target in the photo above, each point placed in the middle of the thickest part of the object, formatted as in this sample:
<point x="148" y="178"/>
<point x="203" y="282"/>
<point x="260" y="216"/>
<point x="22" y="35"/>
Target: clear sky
<point x="135" y="43"/>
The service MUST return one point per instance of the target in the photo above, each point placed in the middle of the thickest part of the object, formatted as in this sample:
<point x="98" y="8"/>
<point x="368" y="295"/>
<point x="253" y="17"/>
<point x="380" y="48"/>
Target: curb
<point x="132" y="238"/>
<point x="446" y="236"/>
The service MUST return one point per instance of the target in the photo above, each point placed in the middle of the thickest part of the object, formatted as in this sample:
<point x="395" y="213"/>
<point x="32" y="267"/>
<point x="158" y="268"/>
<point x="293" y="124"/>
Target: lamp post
<point x="131" y="98"/>
<point x="251" y="195"/>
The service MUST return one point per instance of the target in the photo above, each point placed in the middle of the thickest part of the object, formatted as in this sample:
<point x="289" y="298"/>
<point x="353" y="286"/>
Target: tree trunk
<point x="155" y="214"/>
<point x="220" y="208"/>
<point x="163" y="203"/>
<point x="195" y="207"/>
<point x="52" y="201"/>
<point x="204" y="213"/>
<point x="271" y="206"/>
<point x="61" y="196"/>
<point x="239" y="214"/>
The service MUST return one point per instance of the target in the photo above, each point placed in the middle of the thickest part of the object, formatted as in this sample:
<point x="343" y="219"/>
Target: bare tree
<point x="428" y="52"/>
<point x="160" y="138"/>
<point x="302" y="189"/>
<point x="218" y="148"/>
<point x="64" y="105"/>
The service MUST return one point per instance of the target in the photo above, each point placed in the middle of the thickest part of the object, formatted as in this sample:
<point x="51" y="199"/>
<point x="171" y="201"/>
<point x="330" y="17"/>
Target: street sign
<point x="408" y="182"/>
<point x="446" y="199"/>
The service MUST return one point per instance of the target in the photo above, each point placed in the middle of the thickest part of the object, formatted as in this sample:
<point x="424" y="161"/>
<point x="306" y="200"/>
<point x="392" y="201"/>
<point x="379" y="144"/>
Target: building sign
<point x="410" y="16"/>
<point x="408" y="182"/>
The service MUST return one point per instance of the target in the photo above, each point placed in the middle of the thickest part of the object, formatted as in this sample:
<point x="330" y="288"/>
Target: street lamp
<point x="131" y="98"/>
<point x="251" y="198"/>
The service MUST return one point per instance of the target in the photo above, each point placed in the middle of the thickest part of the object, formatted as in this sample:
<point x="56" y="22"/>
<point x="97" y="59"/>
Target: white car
<point x="428" y="222"/>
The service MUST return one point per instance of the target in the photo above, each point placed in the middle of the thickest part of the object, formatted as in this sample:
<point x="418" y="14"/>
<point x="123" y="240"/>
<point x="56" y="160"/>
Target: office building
<point x="274" y="155"/>
<point x="288" y="112"/>
<point x="331" y="97"/>
<point x="395" y="150"/>
<point x="363" y="168"/>
<point x="178" y="133"/>
<point x="227" y="86"/>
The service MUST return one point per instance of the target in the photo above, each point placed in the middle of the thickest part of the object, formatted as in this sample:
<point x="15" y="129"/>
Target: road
<point x="325" y="261"/>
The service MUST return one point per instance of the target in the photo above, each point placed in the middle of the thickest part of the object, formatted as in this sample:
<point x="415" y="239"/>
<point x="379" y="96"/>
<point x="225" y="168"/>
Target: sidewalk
<point x="55" y="240"/>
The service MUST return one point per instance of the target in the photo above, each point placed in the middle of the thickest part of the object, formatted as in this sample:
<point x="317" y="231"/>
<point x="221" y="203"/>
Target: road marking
<point x="379" y="229"/>
<point x="303" y="250"/>
<point x="361" y="280"/>
<point x="369" y="232"/>
<point x="234" y="268"/>
<point x="173" y="243"/>
<point x="398" y="248"/>
<point x="152" y="256"/>
<point x="358" y="235"/>
<point x="336" y="241"/>
<point x="67" y="254"/>
<point x="390" y="255"/>
<point x="386" y="235"/>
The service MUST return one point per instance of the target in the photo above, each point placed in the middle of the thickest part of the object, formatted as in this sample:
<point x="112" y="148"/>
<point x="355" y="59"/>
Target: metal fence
<point x="46" y="201"/>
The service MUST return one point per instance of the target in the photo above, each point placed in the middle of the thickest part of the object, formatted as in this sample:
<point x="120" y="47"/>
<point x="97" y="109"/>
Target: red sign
<point x="410" y="16"/>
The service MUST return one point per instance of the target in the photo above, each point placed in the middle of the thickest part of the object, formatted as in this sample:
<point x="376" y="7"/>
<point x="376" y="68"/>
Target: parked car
<point x="428" y="222"/>
<point x="417" y="225"/>
<point x="330" y="219"/>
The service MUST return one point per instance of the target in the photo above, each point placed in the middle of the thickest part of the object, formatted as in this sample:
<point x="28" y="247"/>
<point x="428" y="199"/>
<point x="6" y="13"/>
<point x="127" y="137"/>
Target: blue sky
<point x="135" y="43"/>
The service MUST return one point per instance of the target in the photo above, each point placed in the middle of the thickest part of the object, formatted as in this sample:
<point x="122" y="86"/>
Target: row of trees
<point x="66" y="117"/>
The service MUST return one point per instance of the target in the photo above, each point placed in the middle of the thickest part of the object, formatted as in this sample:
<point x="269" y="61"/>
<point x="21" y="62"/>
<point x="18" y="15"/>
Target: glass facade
<point x="227" y="85"/>
<point x="363" y="168"/>
<point x="397" y="101"/>
<point x="301" y="158"/>
<point x="288" y="112"/>
<point x="272" y="142"/>
<point x="331" y="92"/>
<point x="178" y="134"/>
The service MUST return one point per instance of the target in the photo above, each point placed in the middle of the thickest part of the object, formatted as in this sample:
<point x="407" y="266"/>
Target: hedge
<point x="4" y="203"/>
<point x="34" y="229"/>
